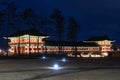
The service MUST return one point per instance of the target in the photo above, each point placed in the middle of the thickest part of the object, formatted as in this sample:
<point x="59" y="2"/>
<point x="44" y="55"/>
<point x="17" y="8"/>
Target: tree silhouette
<point x="72" y="32"/>
<point x="8" y="17"/>
<point x="28" y="16"/>
<point x="58" y="21"/>
<point x="33" y="21"/>
<point x="1" y="18"/>
<point x="46" y="25"/>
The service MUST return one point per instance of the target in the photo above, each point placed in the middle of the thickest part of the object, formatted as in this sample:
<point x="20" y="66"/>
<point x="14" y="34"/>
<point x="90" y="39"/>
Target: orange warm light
<point x="25" y="40"/>
<point x="34" y="44"/>
<point x="28" y="45"/>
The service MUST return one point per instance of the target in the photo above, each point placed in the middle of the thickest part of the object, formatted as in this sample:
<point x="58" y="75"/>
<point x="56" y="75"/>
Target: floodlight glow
<point x="43" y="57"/>
<point x="56" y="67"/>
<point x="0" y="50"/>
<point x="63" y="59"/>
<point x="104" y="54"/>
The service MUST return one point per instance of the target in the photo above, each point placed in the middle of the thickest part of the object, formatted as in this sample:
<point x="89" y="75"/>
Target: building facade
<point x="34" y="42"/>
<point x="26" y="42"/>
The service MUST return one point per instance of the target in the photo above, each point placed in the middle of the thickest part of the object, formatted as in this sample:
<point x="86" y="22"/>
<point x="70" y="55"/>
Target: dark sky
<point x="97" y="17"/>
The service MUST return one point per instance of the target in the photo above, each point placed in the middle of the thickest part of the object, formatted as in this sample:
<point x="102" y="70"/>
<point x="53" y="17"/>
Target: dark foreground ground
<point x="72" y="69"/>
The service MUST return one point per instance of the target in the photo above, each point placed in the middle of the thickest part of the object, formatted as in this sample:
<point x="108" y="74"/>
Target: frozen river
<point x="72" y="69"/>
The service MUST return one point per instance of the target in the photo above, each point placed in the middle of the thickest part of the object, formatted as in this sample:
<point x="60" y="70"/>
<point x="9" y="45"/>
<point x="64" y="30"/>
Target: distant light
<point x="0" y="50"/>
<point x="43" y="57"/>
<point x="10" y="50"/>
<point x="63" y="59"/>
<point x="104" y="54"/>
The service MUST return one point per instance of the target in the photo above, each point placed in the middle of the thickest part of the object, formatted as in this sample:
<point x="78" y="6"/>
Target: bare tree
<point x="73" y="31"/>
<point x="9" y="17"/>
<point x="33" y="21"/>
<point x="28" y="17"/>
<point x="1" y="18"/>
<point x="58" y="21"/>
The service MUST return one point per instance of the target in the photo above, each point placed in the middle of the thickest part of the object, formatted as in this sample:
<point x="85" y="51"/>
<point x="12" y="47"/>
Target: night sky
<point x="96" y="17"/>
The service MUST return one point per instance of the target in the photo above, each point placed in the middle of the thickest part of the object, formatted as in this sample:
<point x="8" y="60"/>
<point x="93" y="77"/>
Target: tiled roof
<point x="98" y="38"/>
<point x="68" y="43"/>
<point x="29" y="32"/>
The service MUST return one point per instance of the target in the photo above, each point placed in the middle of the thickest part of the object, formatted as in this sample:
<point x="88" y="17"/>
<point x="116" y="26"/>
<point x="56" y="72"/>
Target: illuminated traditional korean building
<point x="32" y="41"/>
<point x="99" y="46"/>
<point x="103" y="41"/>
<point x="27" y="41"/>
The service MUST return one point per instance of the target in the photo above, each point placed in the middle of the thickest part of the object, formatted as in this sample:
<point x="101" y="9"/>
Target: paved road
<point x="72" y="69"/>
